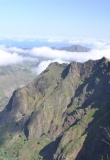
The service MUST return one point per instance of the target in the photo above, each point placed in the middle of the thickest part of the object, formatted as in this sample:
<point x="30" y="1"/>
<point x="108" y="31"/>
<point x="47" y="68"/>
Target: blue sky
<point x="55" y="18"/>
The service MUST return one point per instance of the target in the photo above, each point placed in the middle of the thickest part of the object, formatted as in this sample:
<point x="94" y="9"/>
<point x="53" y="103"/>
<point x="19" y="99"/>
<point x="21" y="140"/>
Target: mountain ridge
<point x="59" y="113"/>
<point x="73" y="48"/>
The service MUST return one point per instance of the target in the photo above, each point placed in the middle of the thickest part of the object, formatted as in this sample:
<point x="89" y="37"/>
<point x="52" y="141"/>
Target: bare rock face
<point x="58" y="115"/>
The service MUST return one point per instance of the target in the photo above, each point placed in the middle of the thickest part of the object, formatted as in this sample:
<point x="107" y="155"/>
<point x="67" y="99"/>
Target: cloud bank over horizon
<point x="43" y="56"/>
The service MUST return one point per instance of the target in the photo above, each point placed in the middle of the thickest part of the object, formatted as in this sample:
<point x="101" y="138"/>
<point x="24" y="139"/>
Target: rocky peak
<point x="60" y="112"/>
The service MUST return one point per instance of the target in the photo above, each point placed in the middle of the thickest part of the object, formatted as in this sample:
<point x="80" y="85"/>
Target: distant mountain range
<point x="73" y="48"/>
<point x="61" y="115"/>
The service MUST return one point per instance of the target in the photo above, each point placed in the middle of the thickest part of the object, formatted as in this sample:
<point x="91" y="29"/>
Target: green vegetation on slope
<point x="58" y="115"/>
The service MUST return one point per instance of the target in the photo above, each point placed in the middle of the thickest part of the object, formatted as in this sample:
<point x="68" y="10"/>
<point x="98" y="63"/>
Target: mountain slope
<point x="13" y="77"/>
<point x="58" y="115"/>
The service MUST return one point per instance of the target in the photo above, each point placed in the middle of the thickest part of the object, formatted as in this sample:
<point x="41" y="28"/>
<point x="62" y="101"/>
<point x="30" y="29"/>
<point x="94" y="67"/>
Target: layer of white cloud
<point x="8" y="58"/>
<point x="48" y="53"/>
<point x="45" y="55"/>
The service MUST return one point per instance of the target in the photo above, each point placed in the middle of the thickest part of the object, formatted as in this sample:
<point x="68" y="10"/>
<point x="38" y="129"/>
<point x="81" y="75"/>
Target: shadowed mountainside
<point x="59" y="115"/>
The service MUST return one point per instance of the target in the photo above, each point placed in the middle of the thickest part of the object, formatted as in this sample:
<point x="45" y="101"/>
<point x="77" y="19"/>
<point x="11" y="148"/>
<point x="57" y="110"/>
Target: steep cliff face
<point x="58" y="115"/>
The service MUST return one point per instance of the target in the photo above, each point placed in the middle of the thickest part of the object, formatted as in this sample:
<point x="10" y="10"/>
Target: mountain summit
<point x="74" y="48"/>
<point x="60" y="115"/>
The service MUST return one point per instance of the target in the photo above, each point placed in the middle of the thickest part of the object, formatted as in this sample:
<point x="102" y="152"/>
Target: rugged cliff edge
<point x="60" y="115"/>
